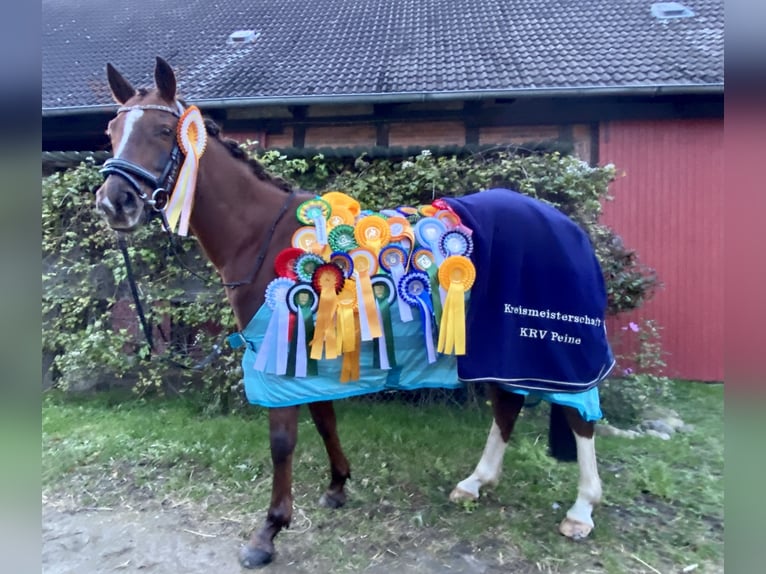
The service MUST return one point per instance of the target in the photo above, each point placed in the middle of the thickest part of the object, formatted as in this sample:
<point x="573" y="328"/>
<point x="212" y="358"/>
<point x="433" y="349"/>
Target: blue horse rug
<point x="534" y="320"/>
<point x="536" y="316"/>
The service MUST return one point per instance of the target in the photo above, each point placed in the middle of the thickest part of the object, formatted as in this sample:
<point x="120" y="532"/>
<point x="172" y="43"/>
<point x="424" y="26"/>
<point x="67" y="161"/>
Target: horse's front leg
<point x="579" y="522"/>
<point x="283" y="433"/>
<point x="323" y="414"/>
<point x="505" y="408"/>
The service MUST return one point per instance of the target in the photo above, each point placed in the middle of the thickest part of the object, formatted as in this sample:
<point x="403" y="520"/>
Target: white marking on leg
<point x="130" y="120"/>
<point x="488" y="469"/>
<point x="589" y="487"/>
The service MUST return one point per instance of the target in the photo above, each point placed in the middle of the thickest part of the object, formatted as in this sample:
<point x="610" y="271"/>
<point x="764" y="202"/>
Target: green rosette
<point x="341" y="238"/>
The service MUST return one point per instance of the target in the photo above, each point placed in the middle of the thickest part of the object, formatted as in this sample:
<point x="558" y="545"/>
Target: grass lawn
<point x="662" y="508"/>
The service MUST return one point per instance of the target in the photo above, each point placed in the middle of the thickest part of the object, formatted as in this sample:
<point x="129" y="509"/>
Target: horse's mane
<point x="237" y="152"/>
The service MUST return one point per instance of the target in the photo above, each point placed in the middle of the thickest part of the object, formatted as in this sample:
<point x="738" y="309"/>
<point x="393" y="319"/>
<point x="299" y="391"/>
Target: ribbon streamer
<point x="272" y="356"/>
<point x="192" y="139"/>
<point x="368" y="316"/>
<point x="425" y="315"/>
<point x="385" y="355"/>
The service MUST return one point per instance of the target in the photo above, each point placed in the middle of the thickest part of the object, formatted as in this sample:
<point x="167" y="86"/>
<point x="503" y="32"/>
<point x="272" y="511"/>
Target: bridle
<point x="134" y="173"/>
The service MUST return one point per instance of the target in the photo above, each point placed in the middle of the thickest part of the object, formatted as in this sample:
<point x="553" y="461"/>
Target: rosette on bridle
<point x="192" y="139"/>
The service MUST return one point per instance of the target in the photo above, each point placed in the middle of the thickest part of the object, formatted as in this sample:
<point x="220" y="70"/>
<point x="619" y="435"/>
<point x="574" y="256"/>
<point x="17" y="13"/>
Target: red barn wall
<point x="668" y="207"/>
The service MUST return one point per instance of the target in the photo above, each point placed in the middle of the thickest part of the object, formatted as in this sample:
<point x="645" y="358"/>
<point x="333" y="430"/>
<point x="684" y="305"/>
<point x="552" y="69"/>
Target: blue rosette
<point x="455" y="242"/>
<point x="344" y="261"/>
<point x="415" y="288"/>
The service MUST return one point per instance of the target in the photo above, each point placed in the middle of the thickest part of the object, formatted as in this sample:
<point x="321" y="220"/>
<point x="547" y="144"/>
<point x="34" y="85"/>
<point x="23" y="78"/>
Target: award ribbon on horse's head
<point x="192" y="139"/>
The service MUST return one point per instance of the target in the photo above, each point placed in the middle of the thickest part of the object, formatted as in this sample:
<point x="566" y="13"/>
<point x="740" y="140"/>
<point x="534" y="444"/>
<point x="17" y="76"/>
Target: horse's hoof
<point x="254" y="557"/>
<point x="460" y="495"/>
<point x="574" y="529"/>
<point x="332" y="501"/>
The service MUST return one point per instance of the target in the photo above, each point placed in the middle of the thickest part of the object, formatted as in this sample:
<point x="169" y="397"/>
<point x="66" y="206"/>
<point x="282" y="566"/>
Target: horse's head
<point x="145" y="150"/>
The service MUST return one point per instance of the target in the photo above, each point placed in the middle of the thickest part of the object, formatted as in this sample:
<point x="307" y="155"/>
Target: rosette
<point x="393" y="259"/>
<point x="302" y="301"/>
<point x="365" y="266"/>
<point x="415" y="289"/>
<point x="426" y="210"/>
<point x="306" y="264"/>
<point x="407" y="211"/>
<point x="341" y="238"/>
<point x="328" y="282"/>
<point x="427" y="232"/>
<point x="372" y="232"/>
<point x="273" y="354"/>
<point x="384" y="290"/>
<point x="423" y="260"/>
<point x="456" y="275"/>
<point x="305" y="238"/>
<point x="315" y="212"/>
<point x="342" y="200"/>
<point x="284" y="262"/>
<point x="340" y="216"/>
<point x="192" y="140"/>
<point x="448" y="217"/>
<point x="344" y="262"/>
<point x="455" y="242"/>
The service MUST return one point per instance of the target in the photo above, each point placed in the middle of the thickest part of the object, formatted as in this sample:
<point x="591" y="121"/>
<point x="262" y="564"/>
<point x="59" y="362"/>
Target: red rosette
<point x="328" y="275"/>
<point x="284" y="262"/>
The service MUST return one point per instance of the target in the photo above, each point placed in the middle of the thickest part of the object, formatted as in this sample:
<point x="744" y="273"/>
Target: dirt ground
<point x="156" y="540"/>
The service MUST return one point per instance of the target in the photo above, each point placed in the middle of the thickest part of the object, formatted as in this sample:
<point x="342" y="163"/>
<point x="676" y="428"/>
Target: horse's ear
<point x="122" y="91"/>
<point x="165" y="80"/>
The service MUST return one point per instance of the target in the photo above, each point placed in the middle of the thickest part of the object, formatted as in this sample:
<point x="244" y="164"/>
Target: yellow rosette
<point x="192" y="139"/>
<point x="344" y="201"/>
<point x="456" y="276"/>
<point x="365" y="266"/>
<point x="372" y="232"/>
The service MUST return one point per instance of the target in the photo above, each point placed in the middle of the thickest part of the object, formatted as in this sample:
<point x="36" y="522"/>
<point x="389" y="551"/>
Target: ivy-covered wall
<point x="84" y="276"/>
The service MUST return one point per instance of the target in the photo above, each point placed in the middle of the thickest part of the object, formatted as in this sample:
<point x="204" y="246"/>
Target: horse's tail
<point x="561" y="439"/>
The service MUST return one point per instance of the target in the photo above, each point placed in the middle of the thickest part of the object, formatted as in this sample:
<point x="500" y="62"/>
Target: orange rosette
<point x="327" y="280"/>
<point x="456" y="275"/>
<point x="372" y="232"/>
<point x="343" y="200"/>
<point x="341" y="215"/>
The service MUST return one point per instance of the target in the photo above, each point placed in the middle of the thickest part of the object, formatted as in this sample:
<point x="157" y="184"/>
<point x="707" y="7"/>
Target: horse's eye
<point x="166" y="131"/>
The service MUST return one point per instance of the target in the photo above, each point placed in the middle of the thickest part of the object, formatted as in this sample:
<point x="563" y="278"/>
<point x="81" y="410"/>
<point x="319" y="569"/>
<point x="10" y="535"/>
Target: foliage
<point x="84" y="276"/>
<point x="639" y="383"/>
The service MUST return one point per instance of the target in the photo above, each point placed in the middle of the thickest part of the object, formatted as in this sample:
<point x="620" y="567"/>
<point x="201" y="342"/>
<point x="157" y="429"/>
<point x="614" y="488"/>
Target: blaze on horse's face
<point x="143" y="137"/>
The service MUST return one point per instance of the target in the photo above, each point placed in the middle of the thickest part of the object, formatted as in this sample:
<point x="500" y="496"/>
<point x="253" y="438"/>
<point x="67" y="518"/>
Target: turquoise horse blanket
<point x="411" y="373"/>
<point x="534" y="319"/>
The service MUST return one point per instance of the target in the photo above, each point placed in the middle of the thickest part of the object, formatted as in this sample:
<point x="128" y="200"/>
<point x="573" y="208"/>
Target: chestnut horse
<point x="238" y="221"/>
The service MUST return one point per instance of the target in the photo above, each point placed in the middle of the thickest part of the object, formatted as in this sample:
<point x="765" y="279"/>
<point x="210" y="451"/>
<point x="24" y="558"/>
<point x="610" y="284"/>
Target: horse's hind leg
<point x="505" y="408"/>
<point x="283" y="435"/>
<point x="579" y="522"/>
<point x="323" y="414"/>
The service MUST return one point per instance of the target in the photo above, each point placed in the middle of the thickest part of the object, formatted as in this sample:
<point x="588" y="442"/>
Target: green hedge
<point x="84" y="276"/>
